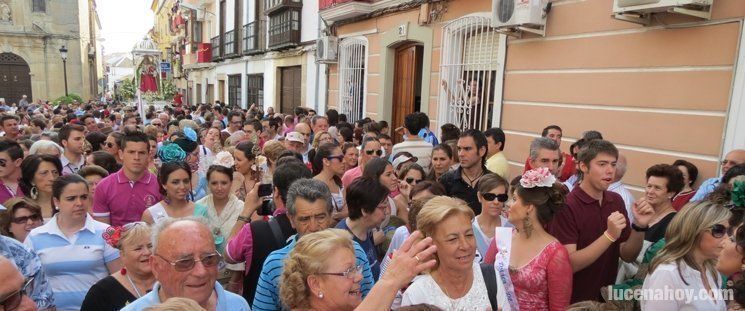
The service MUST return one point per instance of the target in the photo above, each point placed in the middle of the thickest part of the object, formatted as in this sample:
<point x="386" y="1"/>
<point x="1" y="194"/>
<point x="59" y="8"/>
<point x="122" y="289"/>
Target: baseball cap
<point x="403" y="159"/>
<point x="295" y="136"/>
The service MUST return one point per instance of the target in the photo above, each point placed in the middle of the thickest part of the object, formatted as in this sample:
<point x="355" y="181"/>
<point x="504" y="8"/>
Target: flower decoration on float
<point x="738" y="194"/>
<point x="539" y="177"/>
<point x="171" y="153"/>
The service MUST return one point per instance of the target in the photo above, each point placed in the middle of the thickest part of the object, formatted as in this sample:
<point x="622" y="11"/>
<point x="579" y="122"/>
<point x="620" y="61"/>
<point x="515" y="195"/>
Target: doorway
<point x="15" y="78"/>
<point x="290" y="89"/>
<point x="407" y="85"/>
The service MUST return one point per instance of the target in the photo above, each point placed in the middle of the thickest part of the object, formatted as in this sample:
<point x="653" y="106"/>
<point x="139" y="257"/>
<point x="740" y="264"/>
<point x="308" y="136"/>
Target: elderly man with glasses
<point x="13" y="288"/>
<point x="185" y="264"/>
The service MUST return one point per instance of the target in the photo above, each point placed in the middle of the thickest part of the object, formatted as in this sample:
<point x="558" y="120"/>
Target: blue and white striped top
<point x="72" y="264"/>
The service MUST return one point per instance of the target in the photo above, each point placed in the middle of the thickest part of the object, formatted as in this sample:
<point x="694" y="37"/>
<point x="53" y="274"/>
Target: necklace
<point x="470" y="181"/>
<point x="133" y="286"/>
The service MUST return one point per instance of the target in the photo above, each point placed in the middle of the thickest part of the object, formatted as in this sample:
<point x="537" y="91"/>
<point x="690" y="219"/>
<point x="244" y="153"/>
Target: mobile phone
<point x="265" y="190"/>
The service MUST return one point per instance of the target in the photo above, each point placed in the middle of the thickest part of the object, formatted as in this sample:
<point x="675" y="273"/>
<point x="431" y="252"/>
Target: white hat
<point x="296" y="137"/>
<point x="403" y="159"/>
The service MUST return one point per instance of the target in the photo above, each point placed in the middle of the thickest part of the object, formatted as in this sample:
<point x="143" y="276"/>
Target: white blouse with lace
<point x="426" y="291"/>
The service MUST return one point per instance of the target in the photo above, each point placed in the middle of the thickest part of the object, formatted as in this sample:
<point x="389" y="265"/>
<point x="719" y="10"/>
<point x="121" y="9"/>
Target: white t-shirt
<point x="666" y="277"/>
<point x="426" y="291"/>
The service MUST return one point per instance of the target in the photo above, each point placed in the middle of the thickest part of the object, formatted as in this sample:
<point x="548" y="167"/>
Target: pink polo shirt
<point x="124" y="201"/>
<point x="350" y="176"/>
<point x="6" y="193"/>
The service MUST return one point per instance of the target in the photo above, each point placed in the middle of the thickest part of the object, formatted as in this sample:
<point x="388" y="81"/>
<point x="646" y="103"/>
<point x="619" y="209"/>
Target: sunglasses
<point x="186" y="264"/>
<point x="110" y="145"/>
<point x="3" y="162"/>
<point x="502" y="197"/>
<point x="412" y="181"/>
<point x="157" y="124"/>
<point x="718" y="230"/>
<point x="338" y="157"/>
<point x="377" y="152"/>
<point x="24" y="219"/>
<point x="12" y="301"/>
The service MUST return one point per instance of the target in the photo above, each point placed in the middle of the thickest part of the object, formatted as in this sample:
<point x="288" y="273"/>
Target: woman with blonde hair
<point x="321" y="273"/>
<point x="272" y="150"/>
<point x="135" y="278"/>
<point x="694" y="239"/>
<point x="456" y="281"/>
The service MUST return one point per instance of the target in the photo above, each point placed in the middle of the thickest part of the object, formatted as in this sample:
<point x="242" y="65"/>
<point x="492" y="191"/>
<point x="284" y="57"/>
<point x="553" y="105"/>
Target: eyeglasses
<point x="186" y="264"/>
<point x="338" y="157"/>
<point x="377" y="152"/>
<point x="157" y="124"/>
<point x="24" y="219"/>
<point x="502" y="197"/>
<point x="718" y="230"/>
<point x="12" y="301"/>
<point x="350" y="273"/>
<point x="412" y="181"/>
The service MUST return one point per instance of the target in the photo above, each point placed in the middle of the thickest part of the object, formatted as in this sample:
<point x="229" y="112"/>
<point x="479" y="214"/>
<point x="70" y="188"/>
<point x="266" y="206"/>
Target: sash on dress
<point x="506" y="298"/>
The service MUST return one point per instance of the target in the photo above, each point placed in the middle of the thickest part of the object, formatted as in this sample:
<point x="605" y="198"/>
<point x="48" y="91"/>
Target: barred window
<point x="40" y="6"/>
<point x="234" y="90"/>
<point x="255" y="90"/>
<point x="468" y="73"/>
<point x="352" y="55"/>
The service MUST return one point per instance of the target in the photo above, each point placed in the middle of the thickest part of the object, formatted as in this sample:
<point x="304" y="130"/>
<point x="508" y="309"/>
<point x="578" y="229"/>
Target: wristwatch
<point x="639" y="229"/>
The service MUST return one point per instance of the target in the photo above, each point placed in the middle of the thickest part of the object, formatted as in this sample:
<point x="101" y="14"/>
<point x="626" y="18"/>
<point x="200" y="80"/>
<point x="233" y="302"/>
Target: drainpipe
<point x="318" y="69"/>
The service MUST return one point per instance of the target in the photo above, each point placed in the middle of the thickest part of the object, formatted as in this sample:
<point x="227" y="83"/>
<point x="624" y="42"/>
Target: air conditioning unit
<point x="525" y="15"/>
<point x="327" y="49"/>
<point x="639" y="11"/>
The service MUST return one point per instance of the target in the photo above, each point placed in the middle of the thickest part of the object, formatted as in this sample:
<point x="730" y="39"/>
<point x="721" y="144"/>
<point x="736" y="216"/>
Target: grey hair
<point x="159" y="227"/>
<point x="542" y="143"/>
<point x="43" y="144"/>
<point x="309" y="190"/>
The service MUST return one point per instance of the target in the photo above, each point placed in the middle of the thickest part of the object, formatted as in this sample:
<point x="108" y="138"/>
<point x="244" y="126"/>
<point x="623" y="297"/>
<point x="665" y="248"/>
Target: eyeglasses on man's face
<point x="13" y="300"/>
<point x="186" y="264"/>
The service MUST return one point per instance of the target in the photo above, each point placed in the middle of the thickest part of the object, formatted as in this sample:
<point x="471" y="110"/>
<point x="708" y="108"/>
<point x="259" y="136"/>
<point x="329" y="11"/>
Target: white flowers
<point x="224" y="158"/>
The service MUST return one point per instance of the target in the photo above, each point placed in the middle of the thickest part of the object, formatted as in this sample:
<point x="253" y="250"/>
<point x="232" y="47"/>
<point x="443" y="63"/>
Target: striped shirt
<point x="418" y="148"/>
<point x="72" y="264"/>
<point x="267" y="291"/>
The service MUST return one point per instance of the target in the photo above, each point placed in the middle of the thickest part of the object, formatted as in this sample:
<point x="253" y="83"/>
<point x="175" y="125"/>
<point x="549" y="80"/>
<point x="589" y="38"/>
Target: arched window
<point x="469" y="69"/>
<point x="352" y="65"/>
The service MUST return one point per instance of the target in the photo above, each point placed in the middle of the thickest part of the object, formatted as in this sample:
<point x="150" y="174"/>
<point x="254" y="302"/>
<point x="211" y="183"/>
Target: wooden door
<point x="15" y="78"/>
<point x="290" y="89"/>
<point x="404" y="86"/>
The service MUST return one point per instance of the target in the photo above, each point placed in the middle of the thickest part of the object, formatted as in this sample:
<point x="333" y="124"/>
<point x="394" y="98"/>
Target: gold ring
<point x="417" y="259"/>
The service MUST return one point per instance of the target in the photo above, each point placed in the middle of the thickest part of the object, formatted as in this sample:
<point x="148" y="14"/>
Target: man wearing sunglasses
<point x="185" y="264"/>
<point x="11" y="156"/>
<point x="370" y="149"/>
<point x="13" y="288"/>
<point x="29" y="265"/>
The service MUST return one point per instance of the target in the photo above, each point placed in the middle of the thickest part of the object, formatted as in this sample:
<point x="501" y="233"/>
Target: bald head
<point x="304" y="129"/>
<point x="620" y="167"/>
<point x="733" y="158"/>
<point x="12" y="283"/>
<point x="173" y="231"/>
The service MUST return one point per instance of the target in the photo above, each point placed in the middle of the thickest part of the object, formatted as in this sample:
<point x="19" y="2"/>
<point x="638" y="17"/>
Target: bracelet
<point x="244" y="219"/>
<point x="607" y="236"/>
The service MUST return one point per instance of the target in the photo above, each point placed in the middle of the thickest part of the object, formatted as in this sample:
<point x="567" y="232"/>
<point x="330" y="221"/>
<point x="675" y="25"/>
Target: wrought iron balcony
<point x="229" y="44"/>
<point x="284" y="29"/>
<point x="274" y="5"/>
<point x="254" y="37"/>
<point x="216" y="47"/>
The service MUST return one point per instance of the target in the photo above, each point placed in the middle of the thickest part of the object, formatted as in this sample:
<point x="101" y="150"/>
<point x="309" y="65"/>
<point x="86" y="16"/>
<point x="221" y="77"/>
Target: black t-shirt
<point x="657" y="231"/>
<point x="107" y="294"/>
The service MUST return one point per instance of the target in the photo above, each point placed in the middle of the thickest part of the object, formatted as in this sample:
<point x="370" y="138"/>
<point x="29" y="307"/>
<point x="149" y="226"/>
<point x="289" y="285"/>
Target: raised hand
<point x="616" y="224"/>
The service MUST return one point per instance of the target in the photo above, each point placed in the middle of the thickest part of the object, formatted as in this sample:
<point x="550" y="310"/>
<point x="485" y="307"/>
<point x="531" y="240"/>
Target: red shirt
<point x="581" y="222"/>
<point x="566" y="172"/>
<point x="682" y="199"/>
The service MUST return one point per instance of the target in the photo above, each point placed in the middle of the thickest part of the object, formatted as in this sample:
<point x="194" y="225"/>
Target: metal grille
<point x="352" y="54"/>
<point x="468" y="73"/>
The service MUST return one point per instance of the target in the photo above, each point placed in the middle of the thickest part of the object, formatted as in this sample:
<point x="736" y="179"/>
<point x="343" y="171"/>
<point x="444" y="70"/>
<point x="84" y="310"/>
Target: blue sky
<point x="123" y="23"/>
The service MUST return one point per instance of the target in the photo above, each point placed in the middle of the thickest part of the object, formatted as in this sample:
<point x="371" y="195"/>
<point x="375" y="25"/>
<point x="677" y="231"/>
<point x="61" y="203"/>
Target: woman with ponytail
<point x="535" y="270"/>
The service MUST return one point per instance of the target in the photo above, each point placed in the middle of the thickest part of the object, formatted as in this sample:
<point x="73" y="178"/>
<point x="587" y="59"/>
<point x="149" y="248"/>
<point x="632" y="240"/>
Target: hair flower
<point x="171" y="153"/>
<point x="539" y="177"/>
<point x="738" y="194"/>
<point x="112" y="235"/>
<point x="190" y="134"/>
<point x="224" y="158"/>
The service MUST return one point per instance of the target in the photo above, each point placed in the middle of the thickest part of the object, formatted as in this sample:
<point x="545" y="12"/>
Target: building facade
<point x="31" y="35"/>
<point x="253" y="52"/>
<point x="670" y="89"/>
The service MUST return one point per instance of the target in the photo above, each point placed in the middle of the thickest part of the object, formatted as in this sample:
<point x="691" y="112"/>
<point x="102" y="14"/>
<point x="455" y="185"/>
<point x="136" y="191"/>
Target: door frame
<point x="395" y="97"/>
<point x="391" y="40"/>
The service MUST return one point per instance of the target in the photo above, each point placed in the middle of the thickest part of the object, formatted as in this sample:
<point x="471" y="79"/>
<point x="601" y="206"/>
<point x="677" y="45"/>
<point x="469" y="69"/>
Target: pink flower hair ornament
<point x="539" y="177"/>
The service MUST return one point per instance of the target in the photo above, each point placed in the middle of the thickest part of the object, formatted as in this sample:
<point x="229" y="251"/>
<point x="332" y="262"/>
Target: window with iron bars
<point x="352" y="55"/>
<point x="40" y="6"/>
<point x="255" y="90"/>
<point x="234" y="90"/>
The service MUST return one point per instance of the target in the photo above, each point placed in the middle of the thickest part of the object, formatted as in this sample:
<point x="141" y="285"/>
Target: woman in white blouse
<point x="456" y="282"/>
<point x="686" y="263"/>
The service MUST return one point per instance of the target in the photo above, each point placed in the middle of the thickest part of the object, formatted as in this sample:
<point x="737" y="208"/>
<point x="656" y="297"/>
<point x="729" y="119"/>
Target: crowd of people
<point x="218" y="208"/>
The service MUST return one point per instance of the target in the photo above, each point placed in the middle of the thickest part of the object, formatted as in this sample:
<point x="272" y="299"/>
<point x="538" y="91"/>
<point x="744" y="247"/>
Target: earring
<point x="528" y="226"/>
<point x="34" y="192"/>
<point x="320" y="295"/>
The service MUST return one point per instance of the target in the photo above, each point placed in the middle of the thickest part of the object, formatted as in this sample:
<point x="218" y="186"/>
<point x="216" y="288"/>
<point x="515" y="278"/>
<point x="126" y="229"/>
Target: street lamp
<point x="63" y="53"/>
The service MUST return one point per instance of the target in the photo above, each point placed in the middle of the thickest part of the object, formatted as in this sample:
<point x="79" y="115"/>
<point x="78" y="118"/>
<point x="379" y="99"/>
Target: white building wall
<point x="309" y="21"/>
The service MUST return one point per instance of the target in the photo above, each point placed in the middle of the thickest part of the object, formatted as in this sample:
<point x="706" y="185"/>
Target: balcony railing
<point x="284" y="29"/>
<point x="325" y="4"/>
<point x="229" y="48"/>
<point x="216" y="46"/>
<point x="273" y="5"/>
<point x="254" y="39"/>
